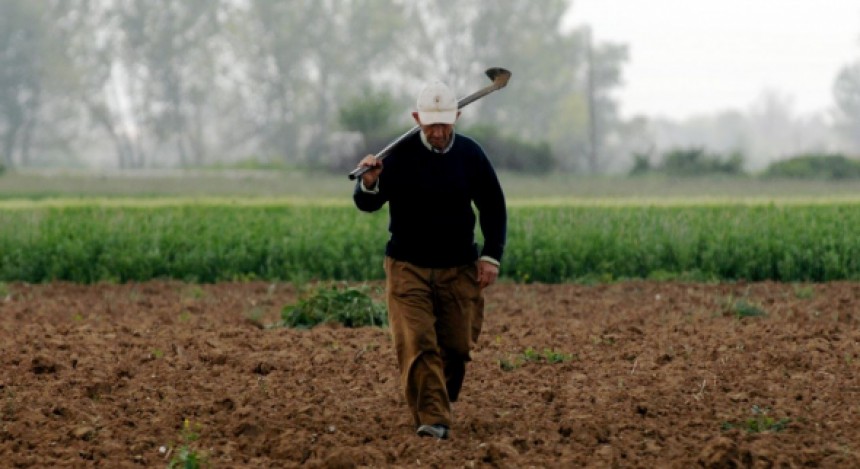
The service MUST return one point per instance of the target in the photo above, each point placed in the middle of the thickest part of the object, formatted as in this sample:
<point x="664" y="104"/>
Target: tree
<point x="91" y="91"/>
<point x="21" y="35"/>
<point x="846" y="92"/>
<point x="603" y="71"/>
<point x="459" y="39"/>
<point x="302" y="59"/>
<point x="773" y="126"/>
<point x="370" y="114"/>
<point x="165" y="55"/>
<point x="167" y="81"/>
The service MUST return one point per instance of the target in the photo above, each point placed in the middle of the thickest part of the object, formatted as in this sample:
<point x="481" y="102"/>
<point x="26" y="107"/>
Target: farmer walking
<point x="434" y="270"/>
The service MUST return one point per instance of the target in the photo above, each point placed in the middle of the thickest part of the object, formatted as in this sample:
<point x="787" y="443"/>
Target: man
<point x="434" y="272"/>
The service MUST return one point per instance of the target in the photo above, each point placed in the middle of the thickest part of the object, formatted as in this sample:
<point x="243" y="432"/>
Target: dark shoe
<point x="437" y="431"/>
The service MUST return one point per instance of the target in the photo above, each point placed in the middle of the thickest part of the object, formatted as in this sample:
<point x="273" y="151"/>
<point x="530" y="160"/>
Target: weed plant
<point x="531" y="355"/>
<point x="185" y="456"/>
<point x="349" y="306"/>
<point x="760" y="422"/>
<point x="745" y="309"/>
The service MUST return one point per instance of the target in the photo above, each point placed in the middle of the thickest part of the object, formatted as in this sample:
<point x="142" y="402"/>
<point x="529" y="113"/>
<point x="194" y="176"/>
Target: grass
<point x="304" y="185"/>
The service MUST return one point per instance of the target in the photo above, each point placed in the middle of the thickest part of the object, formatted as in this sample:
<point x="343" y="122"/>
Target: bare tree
<point x="846" y="92"/>
<point x="21" y="33"/>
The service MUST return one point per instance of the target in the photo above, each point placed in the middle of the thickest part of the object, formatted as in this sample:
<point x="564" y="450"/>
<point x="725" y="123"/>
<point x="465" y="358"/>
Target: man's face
<point x="438" y="135"/>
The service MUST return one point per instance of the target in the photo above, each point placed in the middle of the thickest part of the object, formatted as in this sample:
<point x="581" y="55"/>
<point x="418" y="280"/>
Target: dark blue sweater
<point x="430" y="197"/>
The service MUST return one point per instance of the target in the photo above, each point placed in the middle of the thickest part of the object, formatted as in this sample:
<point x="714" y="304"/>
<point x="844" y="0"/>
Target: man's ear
<point x="415" y="116"/>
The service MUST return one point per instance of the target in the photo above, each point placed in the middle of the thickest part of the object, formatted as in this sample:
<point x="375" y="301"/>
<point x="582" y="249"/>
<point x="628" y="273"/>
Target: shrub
<point x="696" y="162"/>
<point x="511" y="153"/>
<point x="815" y="166"/>
<point x="369" y="113"/>
<point x="641" y="164"/>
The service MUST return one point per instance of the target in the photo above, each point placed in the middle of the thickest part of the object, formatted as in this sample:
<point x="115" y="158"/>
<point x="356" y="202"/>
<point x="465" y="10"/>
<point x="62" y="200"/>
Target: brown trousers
<point x="435" y="316"/>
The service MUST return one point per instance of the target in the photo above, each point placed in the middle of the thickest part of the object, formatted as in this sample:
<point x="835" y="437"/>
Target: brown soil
<point x="661" y="375"/>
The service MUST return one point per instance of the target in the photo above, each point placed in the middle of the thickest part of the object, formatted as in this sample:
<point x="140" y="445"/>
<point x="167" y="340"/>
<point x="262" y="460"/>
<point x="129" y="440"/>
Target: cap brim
<point x="437" y="117"/>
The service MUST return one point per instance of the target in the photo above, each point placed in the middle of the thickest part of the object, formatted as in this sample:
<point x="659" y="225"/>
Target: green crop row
<point x="207" y="243"/>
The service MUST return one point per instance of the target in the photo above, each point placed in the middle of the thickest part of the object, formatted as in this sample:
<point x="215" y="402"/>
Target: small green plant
<point x="194" y="292"/>
<point x="531" y="355"/>
<point x="185" y="456"/>
<point x="743" y="309"/>
<point x="803" y="292"/>
<point x="548" y="356"/>
<point x="184" y="316"/>
<point x="352" y="307"/>
<point x="760" y="422"/>
<point x="255" y="316"/>
<point x="509" y="365"/>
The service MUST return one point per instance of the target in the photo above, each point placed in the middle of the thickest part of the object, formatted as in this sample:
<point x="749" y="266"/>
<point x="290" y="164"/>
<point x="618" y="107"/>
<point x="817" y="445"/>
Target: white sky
<point x="689" y="57"/>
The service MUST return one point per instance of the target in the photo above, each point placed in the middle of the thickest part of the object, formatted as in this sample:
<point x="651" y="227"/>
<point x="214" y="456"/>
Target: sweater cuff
<point x="490" y="260"/>
<point x="374" y="190"/>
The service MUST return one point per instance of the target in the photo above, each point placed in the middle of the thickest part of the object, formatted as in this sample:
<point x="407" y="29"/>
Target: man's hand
<point x="369" y="178"/>
<point x="487" y="273"/>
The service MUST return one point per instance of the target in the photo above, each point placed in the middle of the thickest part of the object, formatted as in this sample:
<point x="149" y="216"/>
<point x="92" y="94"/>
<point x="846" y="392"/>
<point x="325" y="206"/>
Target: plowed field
<point x="650" y="375"/>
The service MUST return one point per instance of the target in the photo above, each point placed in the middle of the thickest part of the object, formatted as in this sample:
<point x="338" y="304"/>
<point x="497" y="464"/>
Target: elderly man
<point x="435" y="272"/>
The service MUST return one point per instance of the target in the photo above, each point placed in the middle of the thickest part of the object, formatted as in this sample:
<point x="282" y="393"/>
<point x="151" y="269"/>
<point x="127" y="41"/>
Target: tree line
<point x="190" y="83"/>
<point x="317" y="83"/>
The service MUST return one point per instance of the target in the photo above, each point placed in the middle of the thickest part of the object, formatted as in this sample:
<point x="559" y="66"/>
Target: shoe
<point x="437" y="431"/>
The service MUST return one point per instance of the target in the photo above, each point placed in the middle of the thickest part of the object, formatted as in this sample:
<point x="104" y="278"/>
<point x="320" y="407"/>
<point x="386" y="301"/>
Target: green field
<point x="209" y="240"/>
<point x="202" y="227"/>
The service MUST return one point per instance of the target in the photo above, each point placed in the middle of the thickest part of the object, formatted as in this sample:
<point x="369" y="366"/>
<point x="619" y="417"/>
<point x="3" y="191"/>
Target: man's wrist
<point x="373" y="190"/>
<point x="490" y="260"/>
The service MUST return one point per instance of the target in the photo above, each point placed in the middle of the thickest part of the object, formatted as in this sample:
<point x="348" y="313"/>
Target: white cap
<point x="437" y="104"/>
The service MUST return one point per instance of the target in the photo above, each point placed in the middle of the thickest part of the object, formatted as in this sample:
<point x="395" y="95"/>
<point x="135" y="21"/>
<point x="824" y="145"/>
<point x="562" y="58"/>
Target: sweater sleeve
<point x="370" y="199"/>
<point x="492" y="210"/>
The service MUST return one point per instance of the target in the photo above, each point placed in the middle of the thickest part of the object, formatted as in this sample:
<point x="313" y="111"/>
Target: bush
<point x="641" y="164"/>
<point x="510" y="153"/>
<point x="815" y="166"/>
<point x="2" y="169"/>
<point x="696" y="162"/>
<point x="370" y="113"/>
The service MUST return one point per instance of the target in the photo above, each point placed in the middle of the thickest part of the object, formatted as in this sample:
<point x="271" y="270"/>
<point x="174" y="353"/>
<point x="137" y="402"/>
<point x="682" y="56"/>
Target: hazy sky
<point x="695" y="56"/>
